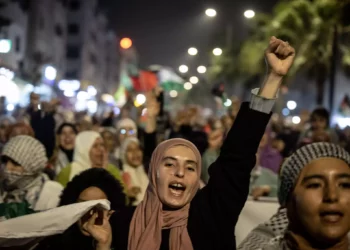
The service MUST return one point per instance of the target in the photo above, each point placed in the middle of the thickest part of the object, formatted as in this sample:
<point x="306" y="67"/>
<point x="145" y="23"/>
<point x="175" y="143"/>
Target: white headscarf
<point x="126" y="122"/>
<point x="138" y="175"/>
<point x="81" y="158"/>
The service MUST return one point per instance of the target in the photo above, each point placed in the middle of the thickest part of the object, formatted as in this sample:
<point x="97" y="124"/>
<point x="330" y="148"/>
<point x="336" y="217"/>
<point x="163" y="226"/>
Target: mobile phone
<point x="99" y="220"/>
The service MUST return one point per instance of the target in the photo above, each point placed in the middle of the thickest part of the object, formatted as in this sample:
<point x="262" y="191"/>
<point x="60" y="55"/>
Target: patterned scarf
<point x="29" y="189"/>
<point x="264" y="233"/>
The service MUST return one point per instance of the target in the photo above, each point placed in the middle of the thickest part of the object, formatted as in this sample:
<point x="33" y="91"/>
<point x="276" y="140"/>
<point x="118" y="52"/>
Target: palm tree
<point x="315" y="28"/>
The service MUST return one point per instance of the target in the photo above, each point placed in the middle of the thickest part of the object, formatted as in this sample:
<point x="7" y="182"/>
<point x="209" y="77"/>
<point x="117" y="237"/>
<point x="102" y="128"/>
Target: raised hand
<point x="153" y="109"/>
<point x="134" y="191"/>
<point x="215" y="139"/>
<point x="279" y="56"/>
<point x="101" y="233"/>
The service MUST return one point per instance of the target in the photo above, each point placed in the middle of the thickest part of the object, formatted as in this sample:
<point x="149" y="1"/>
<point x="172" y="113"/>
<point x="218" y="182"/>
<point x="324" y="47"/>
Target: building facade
<point x="89" y="49"/>
<point x="13" y="27"/>
<point x="46" y="36"/>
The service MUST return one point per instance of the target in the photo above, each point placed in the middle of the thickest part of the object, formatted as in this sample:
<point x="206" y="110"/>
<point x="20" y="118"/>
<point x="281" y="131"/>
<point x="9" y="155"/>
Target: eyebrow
<point x="317" y="176"/>
<point x="174" y="159"/>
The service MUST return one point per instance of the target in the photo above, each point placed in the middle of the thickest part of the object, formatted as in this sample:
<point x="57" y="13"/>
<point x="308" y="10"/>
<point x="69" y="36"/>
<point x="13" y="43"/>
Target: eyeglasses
<point x="127" y="131"/>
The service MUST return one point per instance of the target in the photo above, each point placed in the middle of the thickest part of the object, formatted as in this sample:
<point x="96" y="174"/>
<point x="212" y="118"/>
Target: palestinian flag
<point x="169" y="80"/>
<point x="145" y="81"/>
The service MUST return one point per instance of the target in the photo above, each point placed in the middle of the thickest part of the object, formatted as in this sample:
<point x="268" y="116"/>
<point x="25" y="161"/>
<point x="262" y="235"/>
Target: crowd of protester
<point x="176" y="183"/>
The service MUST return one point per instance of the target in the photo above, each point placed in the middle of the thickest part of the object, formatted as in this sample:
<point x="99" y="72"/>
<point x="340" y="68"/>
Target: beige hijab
<point x="149" y="218"/>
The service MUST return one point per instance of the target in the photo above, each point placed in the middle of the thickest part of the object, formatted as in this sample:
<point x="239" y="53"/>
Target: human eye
<point x="191" y="168"/>
<point x="345" y="184"/>
<point x="313" y="185"/>
<point x="168" y="164"/>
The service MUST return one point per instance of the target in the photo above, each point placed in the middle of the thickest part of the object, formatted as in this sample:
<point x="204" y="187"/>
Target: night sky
<point x="163" y="30"/>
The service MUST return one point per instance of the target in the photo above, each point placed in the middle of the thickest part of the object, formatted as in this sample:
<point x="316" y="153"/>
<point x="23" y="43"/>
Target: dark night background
<point x="163" y="30"/>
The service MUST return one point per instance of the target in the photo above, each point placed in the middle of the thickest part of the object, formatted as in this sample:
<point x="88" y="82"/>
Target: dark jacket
<point x="215" y="209"/>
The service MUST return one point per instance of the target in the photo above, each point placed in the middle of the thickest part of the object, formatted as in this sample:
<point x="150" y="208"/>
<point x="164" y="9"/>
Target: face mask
<point x="16" y="180"/>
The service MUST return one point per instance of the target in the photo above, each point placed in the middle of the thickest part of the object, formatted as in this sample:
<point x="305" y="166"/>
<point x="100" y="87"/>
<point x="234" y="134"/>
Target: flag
<point x="169" y="80"/>
<point x="145" y="81"/>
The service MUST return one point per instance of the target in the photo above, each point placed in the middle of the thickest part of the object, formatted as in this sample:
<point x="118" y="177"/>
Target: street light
<point x="141" y="99"/>
<point x="194" y="80"/>
<point x="183" y="68"/>
<point x="201" y="69"/>
<point x="217" y="52"/>
<point x="228" y="103"/>
<point x="249" y="14"/>
<point x="173" y="93"/>
<point x="210" y="12"/>
<point x="92" y="91"/>
<point x="291" y="105"/>
<point x="125" y="43"/>
<point x="5" y="45"/>
<point x="50" y="73"/>
<point x="188" y="86"/>
<point x="192" y="51"/>
<point x="296" y="120"/>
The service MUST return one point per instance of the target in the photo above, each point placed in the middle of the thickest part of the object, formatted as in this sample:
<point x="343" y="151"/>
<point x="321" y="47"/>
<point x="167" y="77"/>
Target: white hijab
<point x="124" y="123"/>
<point x="81" y="157"/>
<point x="138" y="175"/>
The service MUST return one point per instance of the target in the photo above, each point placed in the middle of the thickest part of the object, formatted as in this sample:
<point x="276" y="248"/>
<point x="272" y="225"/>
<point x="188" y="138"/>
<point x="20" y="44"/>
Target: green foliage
<point x="307" y="25"/>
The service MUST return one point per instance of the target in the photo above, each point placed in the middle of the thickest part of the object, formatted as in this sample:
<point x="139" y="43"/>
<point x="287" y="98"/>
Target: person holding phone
<point x="93" y="230"/>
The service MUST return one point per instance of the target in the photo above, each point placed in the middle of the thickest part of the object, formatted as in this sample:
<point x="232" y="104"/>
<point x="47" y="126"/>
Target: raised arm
<point x="228" y="186"/>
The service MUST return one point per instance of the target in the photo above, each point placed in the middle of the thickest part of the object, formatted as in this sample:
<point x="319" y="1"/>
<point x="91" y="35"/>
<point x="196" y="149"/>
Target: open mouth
<point x="177" y="188"/>
<point x="331" y="216"/>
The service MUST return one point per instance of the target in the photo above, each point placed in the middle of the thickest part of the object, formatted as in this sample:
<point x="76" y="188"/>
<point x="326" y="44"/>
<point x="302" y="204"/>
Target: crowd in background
<point x="52" y="159"/>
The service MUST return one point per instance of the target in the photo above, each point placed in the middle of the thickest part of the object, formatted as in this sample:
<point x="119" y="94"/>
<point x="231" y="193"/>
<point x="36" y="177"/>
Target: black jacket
<point x="215" y="209"/>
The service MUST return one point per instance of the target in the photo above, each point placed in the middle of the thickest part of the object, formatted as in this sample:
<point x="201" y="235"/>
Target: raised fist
<point x="279" y="56"/>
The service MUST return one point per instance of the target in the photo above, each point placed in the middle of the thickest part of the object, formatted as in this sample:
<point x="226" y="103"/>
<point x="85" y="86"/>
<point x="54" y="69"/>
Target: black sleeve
<point x="44" y="129"/>
<point x="215" y="209"/>
<point x="150" y="143"/>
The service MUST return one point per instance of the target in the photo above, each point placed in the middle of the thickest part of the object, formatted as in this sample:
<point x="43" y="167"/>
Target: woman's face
<point x="109" y="140"/>
<point x="319" y="204"/>
<point x="67" y="138"/>
<point x="13" y="167"/>
<point x="319" y="123"/>
<point x="134" y="154"/>
<point x="90" y="194"/>
<point x="177" y="177"/>
<point x="126" y="132"/>
<point x="97" y="153"/>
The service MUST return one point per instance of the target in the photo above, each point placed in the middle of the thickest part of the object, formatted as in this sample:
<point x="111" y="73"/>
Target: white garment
<point x="49" y="196"/>
<point x="81" y="158"/>
<point x="253" y="214"/>
<point x="25" y="229"/>
<point x="62" y="161"/>
<point x="138" y="174"/>
<point x="139" y="179"/>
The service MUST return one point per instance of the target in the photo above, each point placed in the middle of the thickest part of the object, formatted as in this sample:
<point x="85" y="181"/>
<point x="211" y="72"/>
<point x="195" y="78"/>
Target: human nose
<point x="331" y="193"/>
<point x="180" y="171"/>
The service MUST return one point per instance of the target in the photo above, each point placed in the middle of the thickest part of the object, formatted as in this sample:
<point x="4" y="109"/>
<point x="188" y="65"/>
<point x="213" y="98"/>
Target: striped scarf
<point x="29" y="193"/>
